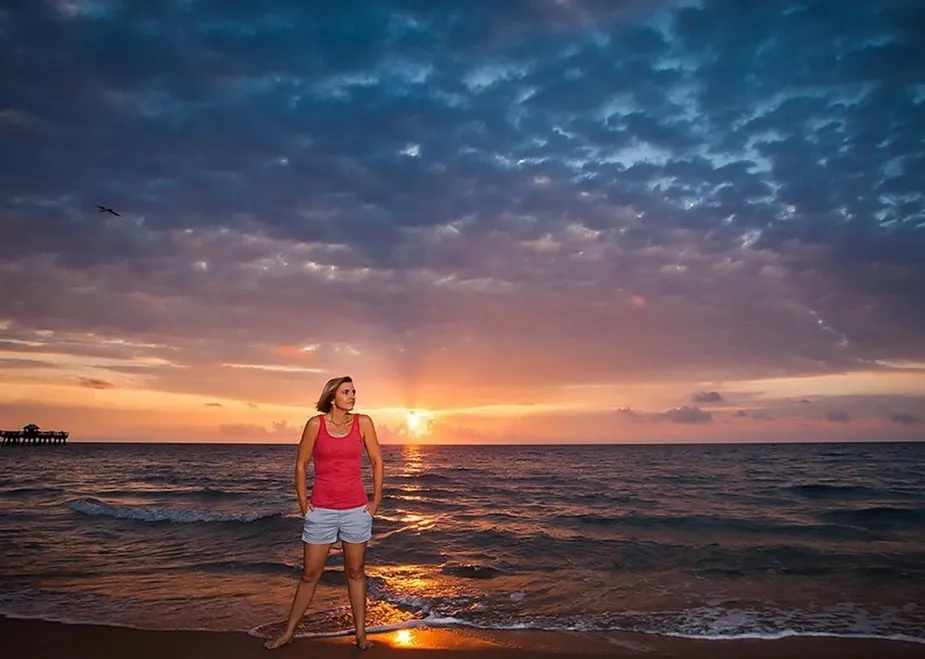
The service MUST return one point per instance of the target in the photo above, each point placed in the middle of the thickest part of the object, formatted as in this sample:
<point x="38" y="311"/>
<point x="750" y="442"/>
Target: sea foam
<point x="97" y="508"/>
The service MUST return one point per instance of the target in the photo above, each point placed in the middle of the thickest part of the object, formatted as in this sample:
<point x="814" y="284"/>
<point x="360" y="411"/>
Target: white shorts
<point x="325" y="526"/>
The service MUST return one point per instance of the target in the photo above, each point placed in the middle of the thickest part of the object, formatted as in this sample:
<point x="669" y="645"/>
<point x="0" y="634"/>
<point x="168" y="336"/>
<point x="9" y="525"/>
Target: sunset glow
<point x="591" y="230"/>
<point x="494" y="329"/>
<point x="417" y="423"/>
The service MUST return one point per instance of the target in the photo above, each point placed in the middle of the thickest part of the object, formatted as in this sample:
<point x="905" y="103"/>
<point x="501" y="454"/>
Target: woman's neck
<point x="339" y="417"/>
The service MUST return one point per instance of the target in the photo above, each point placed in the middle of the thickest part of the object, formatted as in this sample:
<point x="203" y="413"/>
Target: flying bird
<point x="106" y="209"/>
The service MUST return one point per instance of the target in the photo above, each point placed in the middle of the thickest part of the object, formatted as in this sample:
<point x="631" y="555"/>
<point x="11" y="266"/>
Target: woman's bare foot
<point x="277" y="642"/>
<point x="364" y="643"/>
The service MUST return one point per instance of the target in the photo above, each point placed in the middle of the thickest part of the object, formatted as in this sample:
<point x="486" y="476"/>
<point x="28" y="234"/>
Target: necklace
<point x="341" y="423"/>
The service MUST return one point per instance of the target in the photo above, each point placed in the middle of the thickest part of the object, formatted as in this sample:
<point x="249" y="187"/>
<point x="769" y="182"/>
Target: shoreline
<point x="28" y="637"/>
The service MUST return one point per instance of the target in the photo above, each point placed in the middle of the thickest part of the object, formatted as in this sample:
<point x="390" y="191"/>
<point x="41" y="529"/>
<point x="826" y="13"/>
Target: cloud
<point x="25" y="364"/>
<point x="757" y="415"/>
<point x="702" y="192"/>
<point x="838" y="416"/>
<point x="95" y="383"/>
<point x="905" y="419"/>
<point x="687" y="415"/>
<point x="277" y="430"/>
<point x="692" y="415"/>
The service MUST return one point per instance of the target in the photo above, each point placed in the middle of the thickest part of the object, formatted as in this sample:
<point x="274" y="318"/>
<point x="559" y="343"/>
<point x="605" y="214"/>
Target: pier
<point x="31" y="435"/>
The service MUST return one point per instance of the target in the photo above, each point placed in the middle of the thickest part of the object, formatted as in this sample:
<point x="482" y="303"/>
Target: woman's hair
<point x="326" y="400"/>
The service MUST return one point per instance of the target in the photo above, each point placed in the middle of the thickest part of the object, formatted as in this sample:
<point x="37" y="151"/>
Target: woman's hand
<point x="372" y="508"/>
<point x="306" y="508"/>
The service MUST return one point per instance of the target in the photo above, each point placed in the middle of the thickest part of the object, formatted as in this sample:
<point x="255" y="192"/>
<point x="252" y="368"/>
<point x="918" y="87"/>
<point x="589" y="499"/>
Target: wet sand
<point x="25" y="639"/>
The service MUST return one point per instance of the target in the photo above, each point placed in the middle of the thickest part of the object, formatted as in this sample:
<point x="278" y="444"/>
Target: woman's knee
<point x="311" y="575"/>
<point x="356" y="571"/>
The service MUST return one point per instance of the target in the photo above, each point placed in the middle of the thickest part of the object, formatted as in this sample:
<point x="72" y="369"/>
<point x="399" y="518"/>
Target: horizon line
<point x="571" y="444"/>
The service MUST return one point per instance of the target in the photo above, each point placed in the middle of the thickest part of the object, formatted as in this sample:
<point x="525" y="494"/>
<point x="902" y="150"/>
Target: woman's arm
<point x="368" y="430"/>
<point x="306" y="448"/>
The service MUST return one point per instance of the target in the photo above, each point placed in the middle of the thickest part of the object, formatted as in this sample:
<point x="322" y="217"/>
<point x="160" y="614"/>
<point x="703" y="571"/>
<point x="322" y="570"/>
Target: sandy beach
<point x="34" y="638"/>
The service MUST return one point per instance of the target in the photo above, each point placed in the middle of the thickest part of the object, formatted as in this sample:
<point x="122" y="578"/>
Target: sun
<point x="417" y="423"/>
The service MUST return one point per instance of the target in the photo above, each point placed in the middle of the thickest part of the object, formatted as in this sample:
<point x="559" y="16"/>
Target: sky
<point x="520" y="221"/>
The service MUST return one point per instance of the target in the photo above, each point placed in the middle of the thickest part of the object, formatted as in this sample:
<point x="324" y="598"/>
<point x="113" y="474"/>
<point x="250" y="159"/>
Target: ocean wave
<point x="433" y="494"/>
<point x="100" y="621"/>
<point x="329" y="576"/>
<point x="96" y="508"/>
<point x="426" y="477"/>
<point x="829" y="491"/>
<point x="175" y="492"/>
<point x="252" y="567"/>
<point x="391" y="611"/>
<point x="338" y="622"/>
<point x="514" y="553"/>
<point x="876" y="517"/>
<point x="763" y="622"/>
<point x="27" y="491"/>
<point x="714" y="524"/>
<point x="714" y="622"/>
<point x="472" y="571"/>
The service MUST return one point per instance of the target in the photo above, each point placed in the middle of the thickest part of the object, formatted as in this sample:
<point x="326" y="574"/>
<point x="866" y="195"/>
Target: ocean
<point x="714" y="541"/>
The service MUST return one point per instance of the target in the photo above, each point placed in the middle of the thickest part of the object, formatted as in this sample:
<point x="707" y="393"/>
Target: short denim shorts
<point x="324" y="526"/>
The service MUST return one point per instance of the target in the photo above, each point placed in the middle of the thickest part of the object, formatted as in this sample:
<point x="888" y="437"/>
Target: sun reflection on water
<point x="413" y="456"/>
<point x="419" y="522"/>
<point x="404" y="637"/>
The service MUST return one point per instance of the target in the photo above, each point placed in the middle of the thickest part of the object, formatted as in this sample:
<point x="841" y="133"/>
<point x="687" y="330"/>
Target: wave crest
<point x="96" y="508"/>
<point x="472" y="571"/>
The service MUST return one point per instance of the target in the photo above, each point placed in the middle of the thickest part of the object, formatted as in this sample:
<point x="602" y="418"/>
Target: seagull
<point x="106" y="209"/>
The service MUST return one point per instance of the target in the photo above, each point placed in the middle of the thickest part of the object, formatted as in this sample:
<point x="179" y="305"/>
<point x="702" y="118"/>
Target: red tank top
<point x="338" y="469"/>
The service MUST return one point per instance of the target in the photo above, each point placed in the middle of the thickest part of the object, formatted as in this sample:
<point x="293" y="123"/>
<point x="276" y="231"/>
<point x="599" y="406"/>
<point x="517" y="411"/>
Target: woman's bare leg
<point x="355" y="567"/>
<point x="313" y="558"/>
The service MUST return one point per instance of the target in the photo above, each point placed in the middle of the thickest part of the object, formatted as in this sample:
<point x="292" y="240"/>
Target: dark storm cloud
<point x="752" y="171"/>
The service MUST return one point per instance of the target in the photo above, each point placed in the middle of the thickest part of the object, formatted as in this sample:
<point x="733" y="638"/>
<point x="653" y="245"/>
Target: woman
<point x="338" y="509"/>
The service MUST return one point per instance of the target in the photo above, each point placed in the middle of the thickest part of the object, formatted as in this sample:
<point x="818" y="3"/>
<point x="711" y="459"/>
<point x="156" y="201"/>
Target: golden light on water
<point x="418" y="523"/>
<point x="404" y="637"/>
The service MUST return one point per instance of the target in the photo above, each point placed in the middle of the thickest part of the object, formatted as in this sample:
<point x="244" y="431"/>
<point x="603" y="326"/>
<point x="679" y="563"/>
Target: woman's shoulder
<point x="366" y="427"/>
<point x="364" y="421"/>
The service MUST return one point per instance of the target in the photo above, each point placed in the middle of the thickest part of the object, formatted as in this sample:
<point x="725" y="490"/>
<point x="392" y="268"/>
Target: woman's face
<point x="346" y="396"/>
